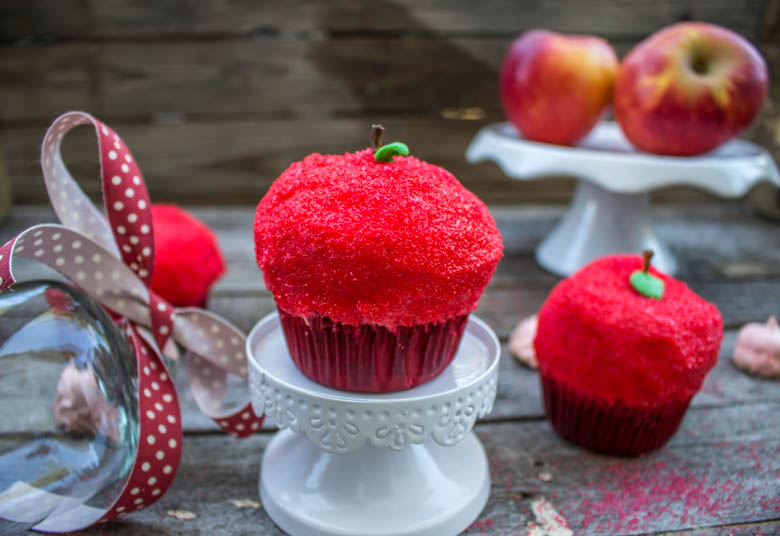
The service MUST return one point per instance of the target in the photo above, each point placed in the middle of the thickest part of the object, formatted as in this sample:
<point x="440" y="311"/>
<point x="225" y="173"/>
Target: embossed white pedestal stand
<point x="610" y="212"/>
<point x="402" y="463"/>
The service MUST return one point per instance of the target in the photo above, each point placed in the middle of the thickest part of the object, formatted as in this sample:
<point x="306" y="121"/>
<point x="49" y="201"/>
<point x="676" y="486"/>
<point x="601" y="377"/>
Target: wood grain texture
<point x="719" y="475"/>
<point x="197" y="88"/>
<point x="123" y="19"/>
<point x="720" y="469"/>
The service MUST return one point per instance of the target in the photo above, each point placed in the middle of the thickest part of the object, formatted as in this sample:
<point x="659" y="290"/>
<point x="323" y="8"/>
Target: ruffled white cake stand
<point x="610" y="212"/>
<point x="404" y="463"/>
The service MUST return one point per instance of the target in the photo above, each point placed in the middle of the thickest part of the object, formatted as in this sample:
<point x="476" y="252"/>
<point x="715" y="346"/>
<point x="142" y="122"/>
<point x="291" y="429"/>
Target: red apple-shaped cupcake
<point x="622" y="349"/>
<point x="187" y="258"/>
<point x="375" y="261"/>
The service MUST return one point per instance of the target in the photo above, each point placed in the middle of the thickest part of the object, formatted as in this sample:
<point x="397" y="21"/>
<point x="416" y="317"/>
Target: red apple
<point x="689" y="88"/>
<point x="554" y="87"/>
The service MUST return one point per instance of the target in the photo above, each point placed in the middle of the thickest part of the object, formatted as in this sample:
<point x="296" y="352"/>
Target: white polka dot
<point x="147" y="393"/>
<point x="145" y="466"/>
<point x="214" y="328"/>
<point x="56" y="236"/>
<point x="105" y="131"/>
<point x="167" y="469"/>
<point x="132" y="217"/>
<point x="156" y="492"/>
<point x="167" y="398"/>
<point x="255" y="425"/>
<point x="147" y="372"/>
<point x="81" y="276"/>
<point x="245" y="415"/>
<point x="139" y="500"/>
<point x="116" y="180"/>
<point x="57" y="248"/>
<point x="120" y="508"/>
<point x="126" y="248"/>
<point x="158" y="406"/>
<point x="76" y="244"/>
<point x="134" y="266"/>
<point x="150" y="439"/>
<point x="135" y="491"/>
<point x="115" y="275"/>
<point x="163" y="376"/>
<point x="125" y="168"/>
<point x="38" y="252"/>
<point x="141" y="204"/>
<point x="112" y="155"/>
<point x="172" y="443"/>
<point x="134" y="240"/>
<point x="161" y="306"/>
<point x="224" y="424"/>
<point x="146" y="251"/>
<point x="38" y="242"/>
<point x="129" y="192"/>
<point x="162" y="429"/>
<point x="153" y="365"/>
<point x="121" y="229"/>
<point x="144" y="228"/>
<point x="234" y="341"/>
<point x="98" y="275"/>
<point x="143" y="273"/>
<point x="220" y="343"/>
<point x="118" y="205"/>
<point x="78" y="259"/>
<point x="152" y="481"/>
<point x="171" y="418"/>
<point x="159" y="455"/>
<point x="240" y="427"/>
<point x="155" y="386"/>
<point x="163" y="330"/>
<point x="128" y="158"/>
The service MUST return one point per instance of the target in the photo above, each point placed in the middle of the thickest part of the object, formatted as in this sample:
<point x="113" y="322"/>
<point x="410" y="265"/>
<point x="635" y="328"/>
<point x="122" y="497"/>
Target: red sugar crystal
<point x="597" y="334"/>
<point x="187" y="259"/>
<point x="392" y="244"/>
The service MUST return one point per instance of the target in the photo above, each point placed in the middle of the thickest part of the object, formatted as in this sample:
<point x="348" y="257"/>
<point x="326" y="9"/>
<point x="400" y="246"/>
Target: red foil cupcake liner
<point x="370" y="359"/>
<point x="610" y="428"/>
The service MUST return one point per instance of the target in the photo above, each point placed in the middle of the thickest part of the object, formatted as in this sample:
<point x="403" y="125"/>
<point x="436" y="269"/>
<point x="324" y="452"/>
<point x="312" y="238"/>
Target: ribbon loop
<point x="112" y="259"/>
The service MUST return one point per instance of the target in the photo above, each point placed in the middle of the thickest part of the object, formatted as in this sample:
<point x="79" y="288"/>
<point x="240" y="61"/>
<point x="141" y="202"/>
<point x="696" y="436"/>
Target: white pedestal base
<point x="424" y="490"/>
<point x="611" y="210"/>
<point x="598" y="223"/>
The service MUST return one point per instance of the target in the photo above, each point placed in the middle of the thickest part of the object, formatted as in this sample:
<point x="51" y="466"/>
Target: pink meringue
<point x="521" y="342"/>
<point x="80" y="408"/>
<point x="757" y="349"/>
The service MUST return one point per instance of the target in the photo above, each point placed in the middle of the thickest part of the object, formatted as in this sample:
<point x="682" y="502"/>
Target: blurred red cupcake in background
<point x="187" y="258"/>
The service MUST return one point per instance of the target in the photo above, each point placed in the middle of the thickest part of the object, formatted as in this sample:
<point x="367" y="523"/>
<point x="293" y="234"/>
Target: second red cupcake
<point x="374" y="262"/>
<point x="621" y="351"/>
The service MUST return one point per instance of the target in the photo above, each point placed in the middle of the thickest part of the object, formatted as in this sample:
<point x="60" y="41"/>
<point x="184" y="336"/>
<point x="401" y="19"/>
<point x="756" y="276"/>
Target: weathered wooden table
<point x="720" y="475"/>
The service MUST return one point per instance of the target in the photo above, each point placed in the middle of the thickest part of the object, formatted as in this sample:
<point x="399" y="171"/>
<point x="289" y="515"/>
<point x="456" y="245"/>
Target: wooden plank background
<point x="216" y="97"/>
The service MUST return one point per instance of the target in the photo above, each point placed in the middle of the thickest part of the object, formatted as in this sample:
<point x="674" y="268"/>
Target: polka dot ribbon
<point x="111" y="258"/>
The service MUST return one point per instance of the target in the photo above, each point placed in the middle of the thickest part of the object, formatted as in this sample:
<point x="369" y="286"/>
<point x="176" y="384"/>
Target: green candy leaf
<point x="647" y="284"/>
<point x="387" y="152"/>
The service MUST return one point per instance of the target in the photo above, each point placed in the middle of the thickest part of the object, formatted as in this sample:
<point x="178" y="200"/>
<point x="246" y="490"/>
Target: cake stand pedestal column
<point x="353" y="464"/>
<point x="600" y="222"/>
<point x="610" y="212"/>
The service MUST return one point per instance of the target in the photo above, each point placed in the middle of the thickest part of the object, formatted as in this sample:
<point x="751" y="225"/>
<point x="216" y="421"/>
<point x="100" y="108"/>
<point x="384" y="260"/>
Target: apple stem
<point x="647" y="254"/>
<point x="376" y="136"/>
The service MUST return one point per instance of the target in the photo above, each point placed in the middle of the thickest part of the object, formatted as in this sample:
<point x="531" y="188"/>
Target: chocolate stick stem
<point x="376" y="136"/>
<point x="648" y="254"/>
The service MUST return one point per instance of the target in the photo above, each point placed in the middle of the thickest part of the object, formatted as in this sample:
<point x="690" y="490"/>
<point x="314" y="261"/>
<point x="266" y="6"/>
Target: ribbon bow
<point x="111" y="258"/>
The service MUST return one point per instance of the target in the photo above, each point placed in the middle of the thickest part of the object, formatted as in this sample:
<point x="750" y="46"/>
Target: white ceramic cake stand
<point x="404" y="463"/>
<point x="610" y="212"/>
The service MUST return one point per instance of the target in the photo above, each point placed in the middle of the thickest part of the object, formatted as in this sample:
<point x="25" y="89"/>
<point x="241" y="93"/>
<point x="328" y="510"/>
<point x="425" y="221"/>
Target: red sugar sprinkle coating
<point x="187" y="258"/>
<point x="600" y="336"/>
<point x="392" y="244"/>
